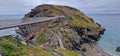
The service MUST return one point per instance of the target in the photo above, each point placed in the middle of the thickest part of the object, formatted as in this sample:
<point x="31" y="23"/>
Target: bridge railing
<point x="4" y="24"/>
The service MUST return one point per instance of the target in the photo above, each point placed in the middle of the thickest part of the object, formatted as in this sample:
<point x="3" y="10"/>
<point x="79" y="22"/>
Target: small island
<point x="75" y="34"/>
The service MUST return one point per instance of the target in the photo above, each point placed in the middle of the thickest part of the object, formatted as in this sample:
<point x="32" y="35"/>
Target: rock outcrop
<point x="74" y="29"/>
<point x="71" y="35"/>
<point x="118" y="49"/>
<point x="70" y="32"/>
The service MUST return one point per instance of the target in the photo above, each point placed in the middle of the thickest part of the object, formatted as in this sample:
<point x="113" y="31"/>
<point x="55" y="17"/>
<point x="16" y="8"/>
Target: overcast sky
<point x="87" y="6"/>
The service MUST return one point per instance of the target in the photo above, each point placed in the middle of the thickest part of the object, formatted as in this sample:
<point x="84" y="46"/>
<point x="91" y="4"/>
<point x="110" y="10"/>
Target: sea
<point x="111" y="38"/>
<point x="108" y="42"/>
<point x="10" y="31"/>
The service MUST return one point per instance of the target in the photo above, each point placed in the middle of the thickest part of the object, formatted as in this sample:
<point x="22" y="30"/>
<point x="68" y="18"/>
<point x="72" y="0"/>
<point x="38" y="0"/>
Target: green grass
<point x="41" y="38"/>
<point x="77" y="21"/>
<point x="9" y="48"/>
<point x="56" y="12"/>
<point x="37" y="51"/>
<point x="68" y="52"/>
<point x="82" y="22"/>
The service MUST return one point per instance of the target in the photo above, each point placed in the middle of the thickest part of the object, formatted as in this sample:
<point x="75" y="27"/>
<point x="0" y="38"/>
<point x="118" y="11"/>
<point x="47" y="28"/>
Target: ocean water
<point x="11" y="16"/>
<point x="10" y="31"/>
<point x="111" y="38"/>
<point x="109" y="41"/>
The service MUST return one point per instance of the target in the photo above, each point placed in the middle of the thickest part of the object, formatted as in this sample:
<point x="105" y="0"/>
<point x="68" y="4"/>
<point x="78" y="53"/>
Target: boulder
<point x="118" y="49"/>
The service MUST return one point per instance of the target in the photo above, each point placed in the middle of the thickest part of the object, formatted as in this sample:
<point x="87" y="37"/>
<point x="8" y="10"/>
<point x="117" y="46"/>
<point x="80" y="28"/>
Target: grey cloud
<point x="87" y="6"/>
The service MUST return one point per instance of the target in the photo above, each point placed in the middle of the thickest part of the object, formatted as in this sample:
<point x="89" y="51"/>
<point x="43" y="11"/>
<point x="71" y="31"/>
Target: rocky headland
<point x="75" y="34"/>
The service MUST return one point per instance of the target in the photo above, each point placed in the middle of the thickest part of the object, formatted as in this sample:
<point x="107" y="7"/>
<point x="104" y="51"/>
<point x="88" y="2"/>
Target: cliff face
<point x="74" y="27"/>
<point x="70" y="32"/>
<point x="61" y="37"/>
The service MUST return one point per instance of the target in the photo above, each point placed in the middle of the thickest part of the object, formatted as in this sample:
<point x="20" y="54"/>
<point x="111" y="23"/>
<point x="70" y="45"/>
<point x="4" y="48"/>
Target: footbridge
<point x="27" y="23"/>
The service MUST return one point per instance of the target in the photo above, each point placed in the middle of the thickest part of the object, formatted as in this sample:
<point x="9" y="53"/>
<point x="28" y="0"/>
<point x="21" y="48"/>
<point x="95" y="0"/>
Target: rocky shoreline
<point x="100" y="51"/>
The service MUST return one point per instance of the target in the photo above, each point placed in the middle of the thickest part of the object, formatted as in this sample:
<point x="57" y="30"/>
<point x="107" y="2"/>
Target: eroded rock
<point x="118" y="49"/>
